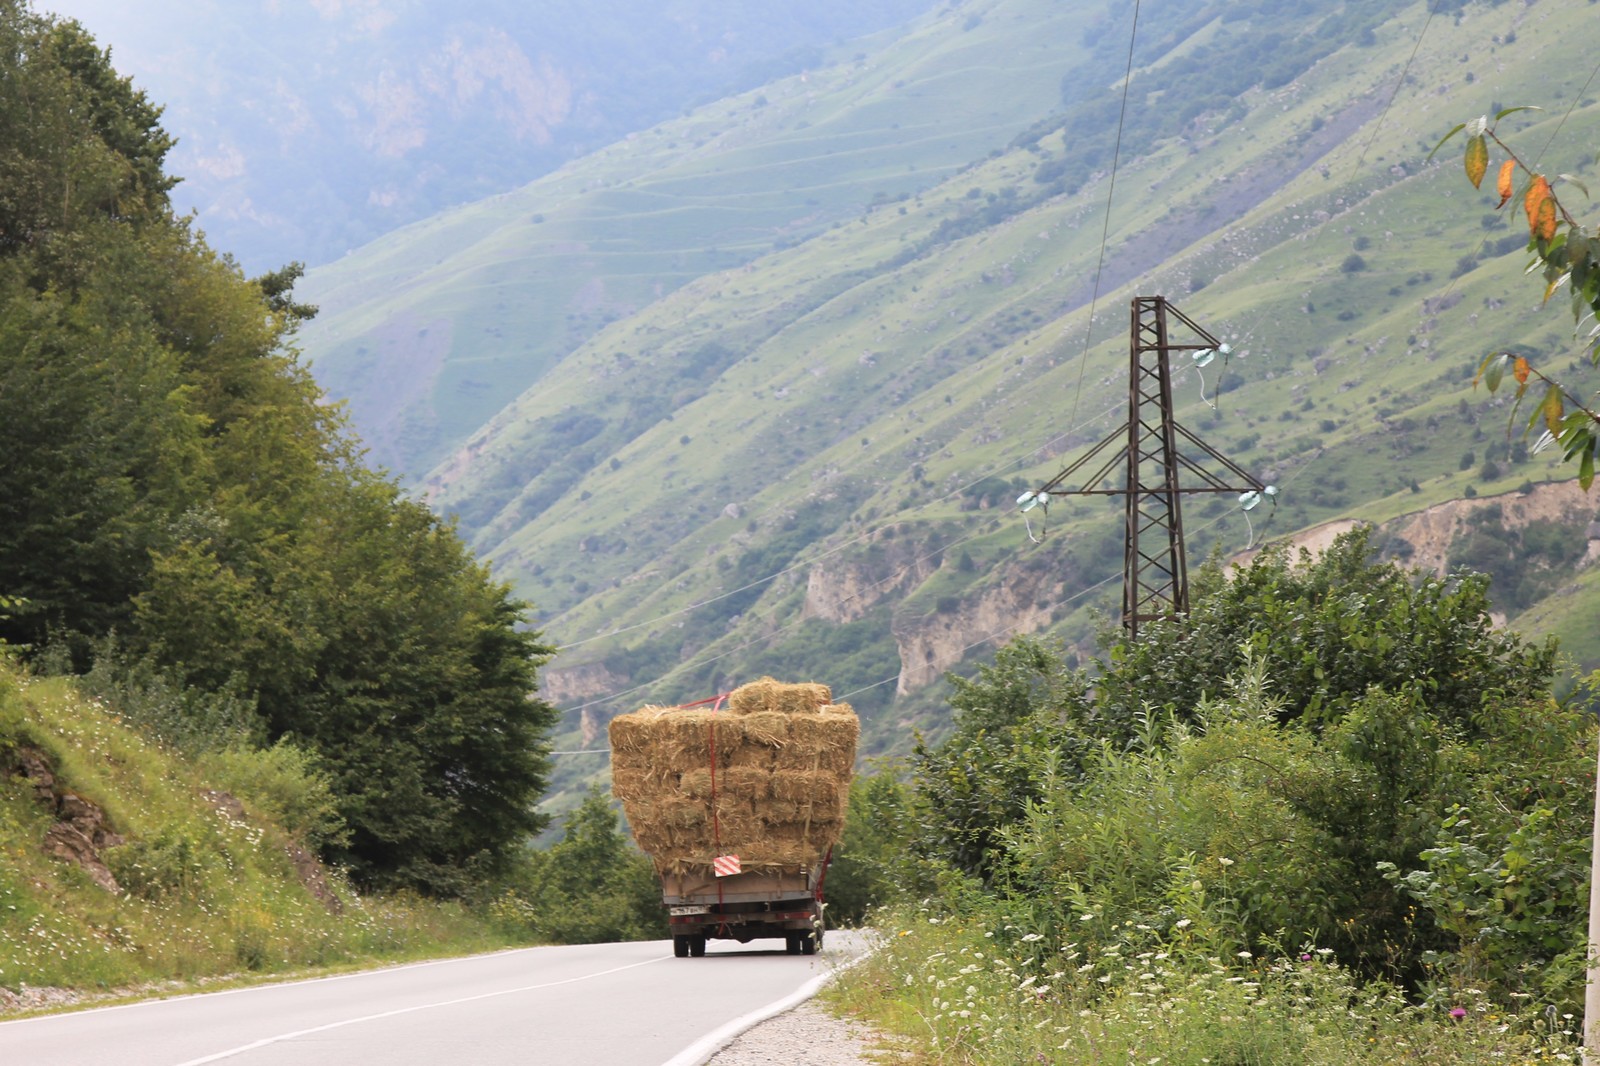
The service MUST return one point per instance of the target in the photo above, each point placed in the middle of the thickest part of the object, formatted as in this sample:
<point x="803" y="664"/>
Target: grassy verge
<point x="206" y="892"/>
<point x="975" y="989"/>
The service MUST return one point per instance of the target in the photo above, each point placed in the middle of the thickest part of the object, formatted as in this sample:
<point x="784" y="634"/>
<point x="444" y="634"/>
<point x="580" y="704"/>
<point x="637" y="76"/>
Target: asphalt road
<point x="599" y="1005"/>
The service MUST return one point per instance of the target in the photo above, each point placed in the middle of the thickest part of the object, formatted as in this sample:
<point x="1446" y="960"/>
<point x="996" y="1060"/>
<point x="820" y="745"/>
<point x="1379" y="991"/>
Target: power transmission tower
<point x="1158" y="451"/>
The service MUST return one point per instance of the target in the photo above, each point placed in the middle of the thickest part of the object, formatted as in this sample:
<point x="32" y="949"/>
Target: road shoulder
<point x="808" y="1035"/>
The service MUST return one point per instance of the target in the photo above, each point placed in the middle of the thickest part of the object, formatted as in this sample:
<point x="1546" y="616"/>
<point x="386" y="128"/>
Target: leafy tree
<point x="1016" y="724"/>
<point x="175" y="477"/>
<point x="869" y="864"/>
<point x="1373" y="669"/>
<point x="592" y="886"/>
<point x="1329" y="630"/>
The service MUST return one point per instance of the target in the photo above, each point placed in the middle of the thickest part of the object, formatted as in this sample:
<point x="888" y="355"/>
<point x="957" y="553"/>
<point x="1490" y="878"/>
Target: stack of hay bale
<point x="765" y="777"/>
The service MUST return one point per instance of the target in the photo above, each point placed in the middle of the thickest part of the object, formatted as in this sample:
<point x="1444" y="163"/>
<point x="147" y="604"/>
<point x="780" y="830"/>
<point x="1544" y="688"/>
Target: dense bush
<point x="1331" y="752"/>
<point x="592" y="886"/>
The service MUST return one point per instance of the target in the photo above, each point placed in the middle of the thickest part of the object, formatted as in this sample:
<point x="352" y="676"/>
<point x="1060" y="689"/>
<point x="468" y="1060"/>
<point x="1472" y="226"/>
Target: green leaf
<point x="1441" y="144"/>
<point x="1498" y="115"/>
<point x="1492" y="370"/>
<point x="1575" y="436"/>
<point x="1586" y="469"/>
<point x="1570" y="180"/>
<point x="1553" y="286"/>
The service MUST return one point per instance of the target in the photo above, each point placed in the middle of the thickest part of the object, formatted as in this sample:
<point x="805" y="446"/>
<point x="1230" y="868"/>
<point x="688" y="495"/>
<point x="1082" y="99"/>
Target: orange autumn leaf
<point x="1508" y="170"/>
<point x="1541" y="209"/>
<point x="1520" y="370"/>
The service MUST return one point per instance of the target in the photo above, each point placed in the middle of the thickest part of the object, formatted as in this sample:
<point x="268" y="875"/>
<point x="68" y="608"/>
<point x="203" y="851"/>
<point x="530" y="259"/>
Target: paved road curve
<point x="600" y="1005"/>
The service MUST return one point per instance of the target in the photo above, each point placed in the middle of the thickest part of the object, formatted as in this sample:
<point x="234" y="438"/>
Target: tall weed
<point x="975" y="986"/>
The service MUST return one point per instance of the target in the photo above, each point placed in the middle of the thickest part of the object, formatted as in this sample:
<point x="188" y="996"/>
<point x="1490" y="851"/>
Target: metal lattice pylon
<point x="1158" y="451"/>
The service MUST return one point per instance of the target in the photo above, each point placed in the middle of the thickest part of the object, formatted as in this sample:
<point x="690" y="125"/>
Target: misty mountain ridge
<point x="307" y="128"/>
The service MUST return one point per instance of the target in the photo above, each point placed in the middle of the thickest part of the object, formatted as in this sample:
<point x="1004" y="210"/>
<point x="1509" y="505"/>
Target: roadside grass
<point x="974" y="989"/>
<point x="206" y="895"/>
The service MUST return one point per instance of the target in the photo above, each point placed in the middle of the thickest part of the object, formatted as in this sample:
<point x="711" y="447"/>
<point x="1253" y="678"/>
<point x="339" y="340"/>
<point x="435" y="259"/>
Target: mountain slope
<point x="430" y="330"/>
<point x="308" y="128"/>
<point x="804" y="465"/>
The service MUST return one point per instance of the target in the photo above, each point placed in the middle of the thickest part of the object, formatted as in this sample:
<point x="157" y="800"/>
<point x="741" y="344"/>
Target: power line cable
<point x="1105" y="228"/>
<point x="1400" y="81"/>
<point x="867" y="535"/>
<point x="1083" y="361"/>
<point x="1581" y="93"/>
<point x="765" y="637"/>
<point x="1321" y="452"/>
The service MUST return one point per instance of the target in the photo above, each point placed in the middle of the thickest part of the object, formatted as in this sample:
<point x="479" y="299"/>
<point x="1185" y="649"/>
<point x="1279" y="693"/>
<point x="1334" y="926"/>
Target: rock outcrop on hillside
<point x="1431" y="531"/>
<point x="81" y="831"/>
<point x="844" y="589"/>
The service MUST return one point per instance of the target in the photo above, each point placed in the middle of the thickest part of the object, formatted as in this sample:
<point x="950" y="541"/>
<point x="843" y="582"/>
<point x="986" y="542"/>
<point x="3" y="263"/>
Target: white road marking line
<point x="289" y="983"/>
<point x="697" y="1053"/>
<point x="219" y="1056"/>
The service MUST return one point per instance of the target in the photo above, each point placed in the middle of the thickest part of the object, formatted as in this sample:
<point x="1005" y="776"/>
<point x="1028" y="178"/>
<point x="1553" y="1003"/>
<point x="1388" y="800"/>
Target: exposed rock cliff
<point x="932" y="644"/>
<point x="582" y="681"/>
<point x="844" y="589"/>
<point x="1431" y="531"/>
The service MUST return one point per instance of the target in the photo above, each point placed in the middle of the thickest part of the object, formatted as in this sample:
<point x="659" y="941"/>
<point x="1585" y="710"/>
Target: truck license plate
<point x="675" y="911"/>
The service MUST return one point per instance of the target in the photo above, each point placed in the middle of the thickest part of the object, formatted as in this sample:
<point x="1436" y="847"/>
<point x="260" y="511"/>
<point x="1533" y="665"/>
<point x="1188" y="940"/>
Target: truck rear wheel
<point x="808" y="943"/>
<point x="697" y="946"/>
<point x="680" y="947"/>
<point x="791" y="944"/>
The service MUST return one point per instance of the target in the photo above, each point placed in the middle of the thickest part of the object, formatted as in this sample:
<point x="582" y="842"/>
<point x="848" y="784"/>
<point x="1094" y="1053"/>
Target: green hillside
<point x="182" y="871"/>
<point x="430" y="330"/>
<point x="805" y="464"/>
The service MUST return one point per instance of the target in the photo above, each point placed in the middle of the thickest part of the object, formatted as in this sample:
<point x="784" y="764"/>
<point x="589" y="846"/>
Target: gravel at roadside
<point x="806" y="1036"/>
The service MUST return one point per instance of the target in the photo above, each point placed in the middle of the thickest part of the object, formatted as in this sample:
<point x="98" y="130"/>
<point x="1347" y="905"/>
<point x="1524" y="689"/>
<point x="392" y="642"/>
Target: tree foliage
<point x="175" y="477"/>
<point x="1329" y="630"/>
<point x="593" y="886"/>
<point x="1015" y="724"/>
<point x="1298" y="760"/>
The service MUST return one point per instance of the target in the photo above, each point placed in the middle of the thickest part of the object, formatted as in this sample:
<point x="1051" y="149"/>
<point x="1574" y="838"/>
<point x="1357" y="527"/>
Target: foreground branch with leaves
<point x="1566" y="255"/>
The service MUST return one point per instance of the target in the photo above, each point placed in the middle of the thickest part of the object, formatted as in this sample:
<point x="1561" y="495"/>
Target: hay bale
<point x="695" y="783"/>
<point x="759" y="695"/>
<point x="634" y="732"/>
<point x="685" y="737"/>
<point x="806" y="786"/>
<point x="807" y="696"/>
<point x="634" y="783"/>
<point x="765" y="694"/>
<point x="679" y="812"/>
<point x="753" y="757"/>
<point x="768" y="783"/>
<point x="769" y="728"/>
<point x="824" y="741"/>
<point x="751" y="782"/>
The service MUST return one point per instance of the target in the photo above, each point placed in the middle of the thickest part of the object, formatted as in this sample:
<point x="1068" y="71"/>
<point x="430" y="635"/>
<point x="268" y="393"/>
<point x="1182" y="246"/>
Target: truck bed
<point x="752" y="887"/>
<point x="757" y="905"/>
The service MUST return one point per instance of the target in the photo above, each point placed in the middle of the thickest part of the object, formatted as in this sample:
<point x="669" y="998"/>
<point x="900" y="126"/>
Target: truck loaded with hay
<point x="738" y="801"/>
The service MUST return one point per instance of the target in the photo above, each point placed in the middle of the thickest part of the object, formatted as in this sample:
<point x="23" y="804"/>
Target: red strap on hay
<point x="701" y="703"/>
<point x="716" y="825"/>
<point x="822" y="878"/>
